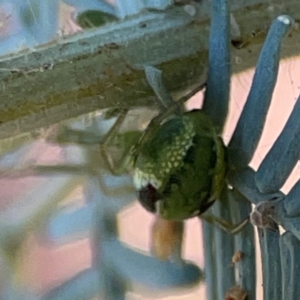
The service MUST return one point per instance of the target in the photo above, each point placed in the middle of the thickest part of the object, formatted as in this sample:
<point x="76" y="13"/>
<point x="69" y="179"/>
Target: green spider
<point x="180" y="163"/>
<point x="181" y="167"/>
<point x="180" y="171"/>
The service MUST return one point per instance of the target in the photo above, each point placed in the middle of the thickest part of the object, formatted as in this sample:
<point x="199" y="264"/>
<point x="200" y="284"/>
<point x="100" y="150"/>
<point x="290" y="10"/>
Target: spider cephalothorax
<point x="181" y="170"/>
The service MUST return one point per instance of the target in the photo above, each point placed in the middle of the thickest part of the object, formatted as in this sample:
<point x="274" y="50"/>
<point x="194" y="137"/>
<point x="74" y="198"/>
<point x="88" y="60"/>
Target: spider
<point x="181" y="165"/>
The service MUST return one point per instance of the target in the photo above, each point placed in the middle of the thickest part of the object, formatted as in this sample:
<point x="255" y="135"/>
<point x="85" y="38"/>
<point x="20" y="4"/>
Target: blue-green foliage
<point x="115" y="266"/>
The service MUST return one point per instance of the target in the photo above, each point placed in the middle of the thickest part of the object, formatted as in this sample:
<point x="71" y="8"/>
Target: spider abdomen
<point x="176" y="170"/>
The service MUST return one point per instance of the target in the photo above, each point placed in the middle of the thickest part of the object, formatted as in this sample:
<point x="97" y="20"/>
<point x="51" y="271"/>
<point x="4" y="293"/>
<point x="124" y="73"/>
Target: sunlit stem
<point x="252" y="120"/>
<point x="290" y="265"/>
<point x="291" y="202"/>
<point x="218" y="82"/>
<point x="109" y="136"/>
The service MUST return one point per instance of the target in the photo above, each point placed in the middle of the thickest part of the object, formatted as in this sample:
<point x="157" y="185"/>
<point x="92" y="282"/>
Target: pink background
<point x="44" y="266"/>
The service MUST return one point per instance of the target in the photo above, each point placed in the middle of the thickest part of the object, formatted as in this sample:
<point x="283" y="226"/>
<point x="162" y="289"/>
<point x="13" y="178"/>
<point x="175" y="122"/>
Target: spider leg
<point x="68" y="135"/>
<point x="154" y="78"/>
<point x="241" y="241"/>
<point x="84" y="137"/>
<point x="107" y="139"/>
<point x="224" y="225"/>
<point x="115" y="128"/>
<point x="250" y="125"/>
<point x="218" y="81"/>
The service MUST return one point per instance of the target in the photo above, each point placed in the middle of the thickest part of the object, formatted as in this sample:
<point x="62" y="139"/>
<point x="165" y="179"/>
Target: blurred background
<point x="75" y="231"/>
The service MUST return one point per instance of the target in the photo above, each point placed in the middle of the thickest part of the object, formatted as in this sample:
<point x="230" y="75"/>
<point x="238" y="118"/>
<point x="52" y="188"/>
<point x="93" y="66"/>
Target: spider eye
<point x="148" y="196"/>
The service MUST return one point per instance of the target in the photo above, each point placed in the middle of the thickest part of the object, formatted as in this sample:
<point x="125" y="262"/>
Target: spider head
<point x="180" y="170"/>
